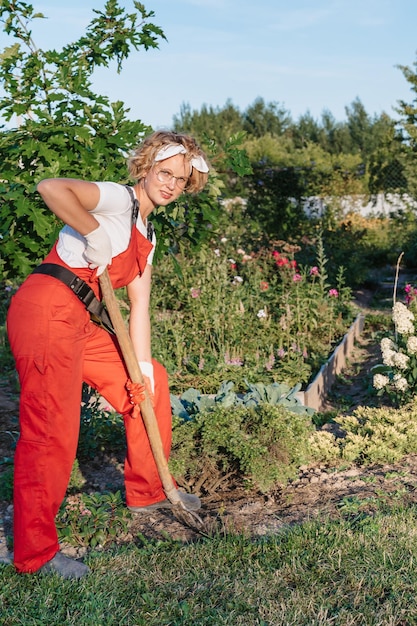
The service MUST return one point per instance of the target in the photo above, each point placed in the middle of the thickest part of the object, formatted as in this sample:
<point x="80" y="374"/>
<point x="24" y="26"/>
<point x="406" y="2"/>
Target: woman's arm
<point x="71" y="200"/>
<point x="139" y="291"/>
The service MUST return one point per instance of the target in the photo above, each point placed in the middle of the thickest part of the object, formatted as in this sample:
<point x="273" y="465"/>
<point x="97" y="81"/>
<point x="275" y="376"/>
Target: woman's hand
<point x="98" y="252"/>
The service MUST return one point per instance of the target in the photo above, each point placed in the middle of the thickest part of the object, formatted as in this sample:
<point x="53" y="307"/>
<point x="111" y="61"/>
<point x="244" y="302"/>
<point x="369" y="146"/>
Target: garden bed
<point x="317" y="391"/>
<point x="318" y="490"/>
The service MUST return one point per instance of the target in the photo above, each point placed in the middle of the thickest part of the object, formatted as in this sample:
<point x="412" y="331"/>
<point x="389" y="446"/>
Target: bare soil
<point x="317" y="492"/>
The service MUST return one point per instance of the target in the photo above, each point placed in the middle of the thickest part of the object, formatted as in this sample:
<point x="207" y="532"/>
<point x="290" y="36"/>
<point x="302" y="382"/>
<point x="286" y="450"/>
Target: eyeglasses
<point x="166" y="177"/>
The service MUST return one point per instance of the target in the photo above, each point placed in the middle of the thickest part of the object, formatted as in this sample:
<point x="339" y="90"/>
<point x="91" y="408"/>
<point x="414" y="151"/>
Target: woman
<point x="57" y="347"/>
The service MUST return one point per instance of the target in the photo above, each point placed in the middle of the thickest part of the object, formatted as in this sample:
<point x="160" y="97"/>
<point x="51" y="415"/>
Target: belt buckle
<point x="82" y="290"/>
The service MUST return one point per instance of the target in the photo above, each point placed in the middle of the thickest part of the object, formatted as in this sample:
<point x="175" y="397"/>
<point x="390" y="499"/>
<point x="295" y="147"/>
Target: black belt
<point x="83" y="292"/>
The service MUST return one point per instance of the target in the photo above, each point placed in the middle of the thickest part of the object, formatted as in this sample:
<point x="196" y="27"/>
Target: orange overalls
<point x="56" y="347"/>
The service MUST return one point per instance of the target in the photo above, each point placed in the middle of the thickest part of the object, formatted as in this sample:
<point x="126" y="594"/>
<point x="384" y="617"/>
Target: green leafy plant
<point x="7" y="289"/>
<point x="192" y="402"/>
<point x="92" y="519"/>
<point x="237" y="314"/>
<point x="261" y="446"/>
<point x="397" y="375"/>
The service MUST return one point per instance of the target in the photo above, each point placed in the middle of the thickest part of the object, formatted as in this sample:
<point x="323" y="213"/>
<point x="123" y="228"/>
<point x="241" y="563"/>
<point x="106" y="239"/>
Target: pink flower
<point x="333" y="293"/>
<point x="232" y="360"/>
<point x="314" y="271"/>
<point x="270" y="363"/>
<point x="297" y="277"/>
<point x="264" y="286"/>
<point x="195" y="293"/>
<point x="411" y="293"/>
<point x="281" y="261"/>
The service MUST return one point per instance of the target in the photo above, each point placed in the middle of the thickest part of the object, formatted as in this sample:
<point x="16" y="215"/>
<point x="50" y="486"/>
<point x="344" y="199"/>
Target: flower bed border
<point x="315" y="395"/>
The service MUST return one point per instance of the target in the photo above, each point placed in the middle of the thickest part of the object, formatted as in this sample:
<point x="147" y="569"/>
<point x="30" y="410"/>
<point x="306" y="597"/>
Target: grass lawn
<point x="358" y="570"/>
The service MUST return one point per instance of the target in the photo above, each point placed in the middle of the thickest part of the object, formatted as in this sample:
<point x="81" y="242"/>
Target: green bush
<point x="371" y="435"/>
<point x="261" y="447"/>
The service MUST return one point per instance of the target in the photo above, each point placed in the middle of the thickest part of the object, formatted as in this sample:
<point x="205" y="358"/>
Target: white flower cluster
<point x="388" y="349"/>
<point x="403" y="319"/>
<point x="412" y="344"/>
<point x="380" y="381"/>
<point x="392" y="355"/>
<point x="400" y="383"/>
<point x="401" y="360"/>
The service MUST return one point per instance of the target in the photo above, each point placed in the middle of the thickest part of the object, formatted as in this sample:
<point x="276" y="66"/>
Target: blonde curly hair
<point x="143" y="156"/>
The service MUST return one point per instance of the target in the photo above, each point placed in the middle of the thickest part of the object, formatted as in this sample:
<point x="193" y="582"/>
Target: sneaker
<point x="65" y="567"/>
<point x="190" y="501"/>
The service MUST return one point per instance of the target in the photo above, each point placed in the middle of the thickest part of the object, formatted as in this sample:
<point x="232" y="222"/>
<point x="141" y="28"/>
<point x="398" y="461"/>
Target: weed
<point x="92" y="519"/>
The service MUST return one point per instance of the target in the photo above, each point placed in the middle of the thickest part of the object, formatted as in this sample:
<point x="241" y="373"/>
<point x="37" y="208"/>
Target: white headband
<point x="173" y="149"/>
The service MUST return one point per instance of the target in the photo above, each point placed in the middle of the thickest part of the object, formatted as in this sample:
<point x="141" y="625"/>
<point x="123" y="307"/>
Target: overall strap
<point x="135" y="212"/>
<point x="135" y="204"/>
<point x="79" y="288"/>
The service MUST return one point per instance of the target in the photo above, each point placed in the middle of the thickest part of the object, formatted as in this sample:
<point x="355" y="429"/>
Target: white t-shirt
<point x="114" y="213"/>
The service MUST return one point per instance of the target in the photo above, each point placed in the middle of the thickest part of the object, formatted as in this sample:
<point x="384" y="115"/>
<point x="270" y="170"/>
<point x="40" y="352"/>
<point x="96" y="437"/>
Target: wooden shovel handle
<point x="136" y="376"/>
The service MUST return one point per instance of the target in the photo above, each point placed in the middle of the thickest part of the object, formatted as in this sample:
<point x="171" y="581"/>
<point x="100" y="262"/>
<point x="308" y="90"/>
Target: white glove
<point x="98" y="252"/>
<point x="147" y="370"/>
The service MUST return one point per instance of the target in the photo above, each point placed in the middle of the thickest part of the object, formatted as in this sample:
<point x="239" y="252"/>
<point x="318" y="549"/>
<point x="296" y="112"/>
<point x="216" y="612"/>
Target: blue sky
<point x="307" y="55"/>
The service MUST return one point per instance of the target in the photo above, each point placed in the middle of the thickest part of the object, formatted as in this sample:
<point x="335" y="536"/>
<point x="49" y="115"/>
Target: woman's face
<point x="167" y="179"/>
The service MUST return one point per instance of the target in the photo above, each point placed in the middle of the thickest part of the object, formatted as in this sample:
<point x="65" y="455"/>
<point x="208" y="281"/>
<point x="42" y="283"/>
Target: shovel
<point x="190" y="518"/>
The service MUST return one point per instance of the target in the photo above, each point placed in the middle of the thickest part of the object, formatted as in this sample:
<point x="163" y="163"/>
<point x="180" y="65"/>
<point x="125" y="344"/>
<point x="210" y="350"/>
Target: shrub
<point x="261" y="447"/>
<point x="397" y="376"/>
<point x="371" y="435"/>
<point x="379" y="435"/>
<point x="324" y="447"/>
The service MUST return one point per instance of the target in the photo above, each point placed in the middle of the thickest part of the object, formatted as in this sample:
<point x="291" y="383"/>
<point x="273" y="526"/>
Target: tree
<point x="407" y="129"/>
<point x="306" y="130"/>
<point x="215" y="123"/>
<point x="64" y="128"/>
<point x="261" y="119"/>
